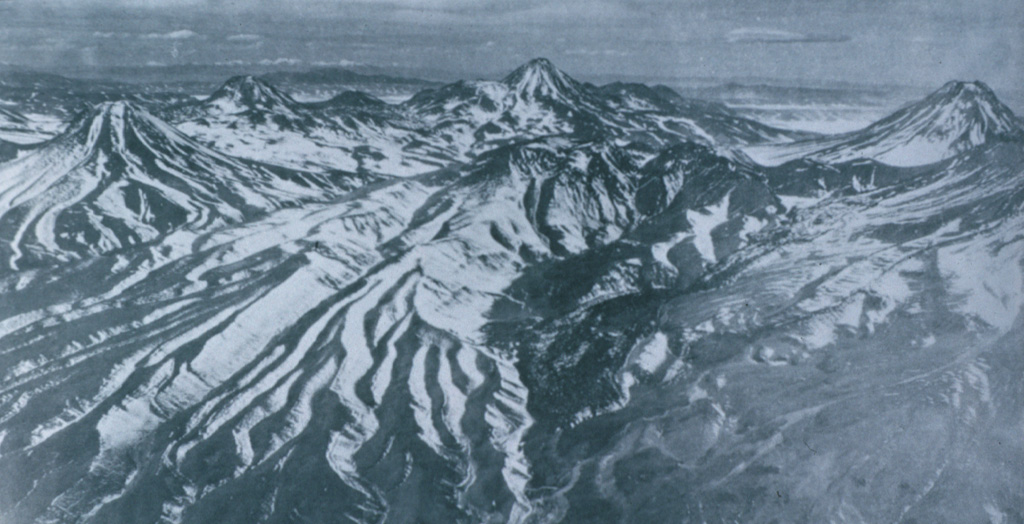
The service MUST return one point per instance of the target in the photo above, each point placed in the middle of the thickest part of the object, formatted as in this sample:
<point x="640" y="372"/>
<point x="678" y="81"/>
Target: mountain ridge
<point x="529" y="300"/>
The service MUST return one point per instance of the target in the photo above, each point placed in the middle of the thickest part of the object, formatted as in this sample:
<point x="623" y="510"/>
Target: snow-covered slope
<point x="725" y="126"/>
<point x="956" y="118"/>
<point x="538" y="99"/>
<point x="593" y="311"/>
<point x="119" y="176"/>
<point x="10" y="117"/>
<point x="18" y="128"/>
<point x="859" y="332"/>
<point x="249" y="96"/>
<point x="251" y="119"/>
<point x="322" y="83"/>
<point x="353" y="131"/>
<point x="377" y="300"/>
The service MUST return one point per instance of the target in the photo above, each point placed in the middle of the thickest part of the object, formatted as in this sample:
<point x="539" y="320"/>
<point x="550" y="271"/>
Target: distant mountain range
<point x="522" y="300"/>
<point x="50" y="93"/>
<point x="251" y="118"/>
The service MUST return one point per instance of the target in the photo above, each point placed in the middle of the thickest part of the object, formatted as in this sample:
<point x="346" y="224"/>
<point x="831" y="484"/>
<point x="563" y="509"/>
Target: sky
<point x="904" y="42"/>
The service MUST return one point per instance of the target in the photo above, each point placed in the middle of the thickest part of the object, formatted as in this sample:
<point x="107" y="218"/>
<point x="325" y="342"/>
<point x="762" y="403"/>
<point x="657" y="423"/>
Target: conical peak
<point x="107" y="113"/>
<point x="955" y="118"/>
<point x="109" y="127"/>
<point x="249" y="90"/>
<point x="244" y="83"/>
<point x="966" y="93"/>
<point x="967" y="102"/>
<point x="538" y="67"/>
<point x="541" y="63"/>
<point x="539" y="77"/>
<point x="961" y="88"/>
<point x="117" y="107"/>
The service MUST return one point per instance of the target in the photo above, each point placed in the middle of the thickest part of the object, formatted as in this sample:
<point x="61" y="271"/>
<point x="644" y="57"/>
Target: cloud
<point x="264" y="62"/>
<point x="181" y="34"/>
<point x="287" y="61"/>
<point x="104" y="34"/>
<point x="753" y="35"/>
<point x="232" y="63"/>
<point x="337" y="63"/>
<point x="447" y="5"/>
<point x="280" y="61"/>
<point x="244" y="38"/>
<point x="596" y="52"/>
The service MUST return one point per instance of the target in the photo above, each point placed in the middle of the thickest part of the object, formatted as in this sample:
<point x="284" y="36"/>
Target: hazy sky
<point x="919" y="42"/>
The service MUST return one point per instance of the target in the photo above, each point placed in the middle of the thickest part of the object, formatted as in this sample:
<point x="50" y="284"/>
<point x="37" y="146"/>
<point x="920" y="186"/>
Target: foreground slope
<point x="858" y="362"/>
<point x="340" y="344"/>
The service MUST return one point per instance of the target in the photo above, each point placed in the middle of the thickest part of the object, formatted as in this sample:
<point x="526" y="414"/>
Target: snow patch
<point x="705" y="222"/>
